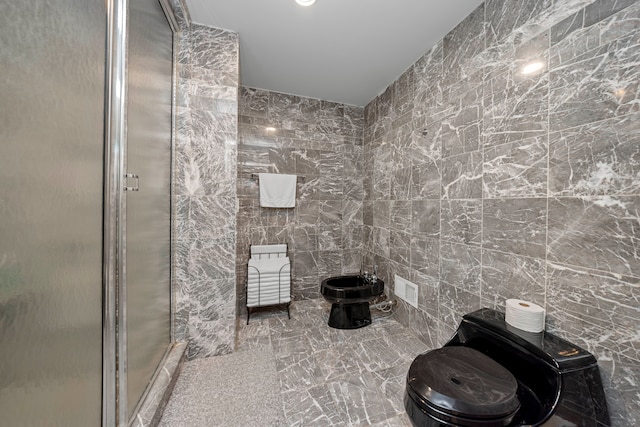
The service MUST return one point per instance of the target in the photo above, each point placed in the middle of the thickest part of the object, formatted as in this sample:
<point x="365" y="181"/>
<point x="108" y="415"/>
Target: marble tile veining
<point x="601" y="80"/>
<point x="461" y="221"/>
<point x="300" y="372"/>
<point x="596" y="159"/>
<point x="506" y="275"/>
<point x="516" y="226"/>
<point x="460" y="265"/>
<point x="516" y="169"/>
<point x="205" y="190"/>
<point x="596" y="232"/>
<point x="462" y="176"/>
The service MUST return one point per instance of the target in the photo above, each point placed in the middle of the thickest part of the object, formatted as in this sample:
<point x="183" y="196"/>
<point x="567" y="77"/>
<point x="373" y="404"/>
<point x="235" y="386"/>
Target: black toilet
<point x="491" y="375"/>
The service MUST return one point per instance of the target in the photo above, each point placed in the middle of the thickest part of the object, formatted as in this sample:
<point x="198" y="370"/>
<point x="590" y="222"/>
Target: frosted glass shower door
<point x="148" y="212"/>
<point x="52" y="85"/>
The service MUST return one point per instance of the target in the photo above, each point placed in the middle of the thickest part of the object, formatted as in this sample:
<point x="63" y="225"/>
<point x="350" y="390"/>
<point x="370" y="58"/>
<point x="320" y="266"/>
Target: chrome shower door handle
<point x="136" y="187"/>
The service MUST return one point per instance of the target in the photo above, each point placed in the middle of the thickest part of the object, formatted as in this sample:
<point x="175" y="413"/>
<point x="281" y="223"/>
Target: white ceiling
<point x="346" y="51"/>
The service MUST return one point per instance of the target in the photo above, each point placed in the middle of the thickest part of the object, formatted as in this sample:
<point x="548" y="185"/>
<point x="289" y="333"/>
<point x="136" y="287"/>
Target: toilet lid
<point x="461" y="381"/>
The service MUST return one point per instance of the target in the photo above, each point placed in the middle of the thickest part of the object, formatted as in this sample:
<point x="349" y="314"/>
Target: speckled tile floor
<point x="299" y="372"/>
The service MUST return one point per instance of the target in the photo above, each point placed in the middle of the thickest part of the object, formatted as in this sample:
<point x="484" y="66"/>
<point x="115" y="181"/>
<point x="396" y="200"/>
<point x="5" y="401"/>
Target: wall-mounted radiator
<point x="268" y="277"/>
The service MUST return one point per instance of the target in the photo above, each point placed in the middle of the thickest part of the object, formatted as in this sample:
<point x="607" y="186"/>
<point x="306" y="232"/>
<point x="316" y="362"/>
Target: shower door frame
<point x="114" y="339"/>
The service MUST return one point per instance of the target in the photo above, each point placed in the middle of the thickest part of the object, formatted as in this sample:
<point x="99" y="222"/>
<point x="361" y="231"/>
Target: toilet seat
<point x="463" y="386"/>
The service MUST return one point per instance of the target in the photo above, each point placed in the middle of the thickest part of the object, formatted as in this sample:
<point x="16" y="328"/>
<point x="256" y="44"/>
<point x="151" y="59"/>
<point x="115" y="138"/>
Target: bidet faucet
<point x="374" y="276"/>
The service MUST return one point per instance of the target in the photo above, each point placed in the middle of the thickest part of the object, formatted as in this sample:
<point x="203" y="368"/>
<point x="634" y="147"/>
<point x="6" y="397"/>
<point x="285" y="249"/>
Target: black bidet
<point x="349" y="297"/>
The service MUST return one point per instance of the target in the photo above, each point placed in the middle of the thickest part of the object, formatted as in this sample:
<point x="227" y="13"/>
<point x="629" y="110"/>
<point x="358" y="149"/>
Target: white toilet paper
<point x="534" y="338"/>
<point x="524" y="315"/>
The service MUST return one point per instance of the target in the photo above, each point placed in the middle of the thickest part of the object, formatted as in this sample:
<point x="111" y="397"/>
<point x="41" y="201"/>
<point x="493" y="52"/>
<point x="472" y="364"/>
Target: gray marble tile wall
<point x="321" y="142"/>
<point x="482" y="183"/>
<point x="204" y="189"/>
<point x="182" y="15"/>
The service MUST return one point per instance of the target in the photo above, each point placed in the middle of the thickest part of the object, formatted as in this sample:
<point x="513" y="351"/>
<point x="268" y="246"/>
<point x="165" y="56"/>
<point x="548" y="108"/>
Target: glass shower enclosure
<point x="148" y="210"/>
<point x="85" y="283"/>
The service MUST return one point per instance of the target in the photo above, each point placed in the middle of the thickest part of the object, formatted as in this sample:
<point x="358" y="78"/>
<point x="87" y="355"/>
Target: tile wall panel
<point x="321" y="142"/>
<point x="521" y="186"/>
<point x="204" y="189"/>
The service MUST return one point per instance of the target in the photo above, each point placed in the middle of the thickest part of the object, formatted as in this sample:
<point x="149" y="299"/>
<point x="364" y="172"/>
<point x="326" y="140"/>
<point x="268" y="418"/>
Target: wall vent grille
<point x="406" y="290"/>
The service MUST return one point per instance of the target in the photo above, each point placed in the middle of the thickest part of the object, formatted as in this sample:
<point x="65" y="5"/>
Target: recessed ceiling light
<point x="532" y="67"/>
<point x="305" y="2"/>
<point x="270" y="129"/>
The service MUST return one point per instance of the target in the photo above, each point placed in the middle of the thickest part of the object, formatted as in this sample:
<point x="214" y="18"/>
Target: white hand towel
<point x="277" y="190"/>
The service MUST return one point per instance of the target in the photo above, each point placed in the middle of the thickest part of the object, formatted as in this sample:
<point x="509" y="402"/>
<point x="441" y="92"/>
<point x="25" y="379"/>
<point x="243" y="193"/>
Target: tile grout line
<point x="546" y="243"/>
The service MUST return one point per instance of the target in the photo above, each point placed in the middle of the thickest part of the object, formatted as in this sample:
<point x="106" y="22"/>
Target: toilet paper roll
<point x="534" y="338"/>
<point x="524" y="315"/>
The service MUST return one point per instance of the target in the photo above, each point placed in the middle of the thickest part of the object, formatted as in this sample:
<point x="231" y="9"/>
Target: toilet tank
<point x="559" y="382"/>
